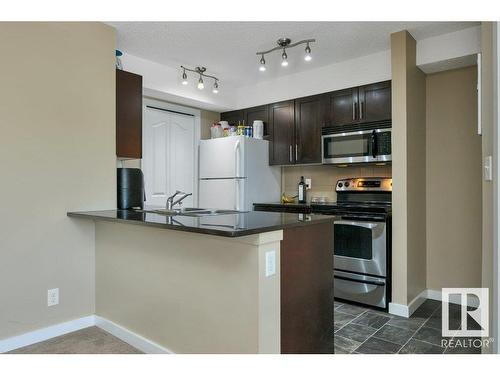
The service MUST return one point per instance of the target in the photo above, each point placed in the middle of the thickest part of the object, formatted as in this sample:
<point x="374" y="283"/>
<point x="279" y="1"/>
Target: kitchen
<point x="212" y="187"/>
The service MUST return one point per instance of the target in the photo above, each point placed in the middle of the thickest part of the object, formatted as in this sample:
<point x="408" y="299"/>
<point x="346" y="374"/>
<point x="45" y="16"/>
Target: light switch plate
<point x="270" y="263"/>
<point x="53" y="297"/>
<point x="488" y="169"/>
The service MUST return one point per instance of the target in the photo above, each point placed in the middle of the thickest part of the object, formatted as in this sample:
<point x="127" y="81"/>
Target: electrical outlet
<point x="53" y="297"/>
<point x="308" y="183"/>
<point x="270" y="263"/>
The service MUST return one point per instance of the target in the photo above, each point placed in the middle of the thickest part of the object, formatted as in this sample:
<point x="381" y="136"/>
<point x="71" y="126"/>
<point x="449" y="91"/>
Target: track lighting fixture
<point x="201" y="72"/>
<point x="283" y="44"/>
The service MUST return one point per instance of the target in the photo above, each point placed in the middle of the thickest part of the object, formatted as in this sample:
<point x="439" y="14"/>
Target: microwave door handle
<point x="374" y="144"/>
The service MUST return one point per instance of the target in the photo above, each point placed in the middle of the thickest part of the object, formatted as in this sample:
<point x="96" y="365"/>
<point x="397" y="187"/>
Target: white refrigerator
<point x="234" y="173"/>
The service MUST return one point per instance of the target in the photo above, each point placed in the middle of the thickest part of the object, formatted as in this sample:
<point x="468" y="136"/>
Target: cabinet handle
<point x="353" y="110"/>
<point x="296" y="152"/>
<point x="361" y="110"/>
<point x="290" y="157"/>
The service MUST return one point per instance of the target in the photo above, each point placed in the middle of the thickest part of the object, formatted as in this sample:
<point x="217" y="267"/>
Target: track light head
<point x="215" y="90"/>
<point x="201" y="85"/>
<point x="308" y="56"/>
<point x="184" y="77"/>
<point x="284" y="57"/>
<point x="262" y="66"/>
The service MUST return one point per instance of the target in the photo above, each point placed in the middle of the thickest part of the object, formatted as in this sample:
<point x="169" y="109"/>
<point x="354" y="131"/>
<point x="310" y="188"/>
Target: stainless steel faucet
<point x="170" y="200"/>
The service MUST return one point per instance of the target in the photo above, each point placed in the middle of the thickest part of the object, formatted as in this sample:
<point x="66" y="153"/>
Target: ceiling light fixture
<point x="283" y="44"/>
<point x="200" y="70"/>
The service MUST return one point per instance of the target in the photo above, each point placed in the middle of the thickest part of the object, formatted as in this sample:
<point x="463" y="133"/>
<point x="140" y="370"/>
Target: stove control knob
<point x="340" y="184"/>
<point x="346" y="184"/>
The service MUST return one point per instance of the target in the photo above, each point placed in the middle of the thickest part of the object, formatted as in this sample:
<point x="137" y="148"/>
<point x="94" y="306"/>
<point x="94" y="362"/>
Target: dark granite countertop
<point x="229" y="225"/>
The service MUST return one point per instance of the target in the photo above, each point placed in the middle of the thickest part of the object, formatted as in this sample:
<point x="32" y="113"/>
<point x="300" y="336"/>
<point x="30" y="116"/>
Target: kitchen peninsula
<point x="249" y="282"/>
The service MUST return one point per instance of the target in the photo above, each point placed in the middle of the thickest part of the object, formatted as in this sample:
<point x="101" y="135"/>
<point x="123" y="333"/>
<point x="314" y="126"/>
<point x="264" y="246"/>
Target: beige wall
<point x="324" y="178"/>
<point x="453" y="180"/>
<point x="192" y="293"/>
<point x="408" y="170"/>
<point x="57" y="154"/>
<point x="207" y="119"/>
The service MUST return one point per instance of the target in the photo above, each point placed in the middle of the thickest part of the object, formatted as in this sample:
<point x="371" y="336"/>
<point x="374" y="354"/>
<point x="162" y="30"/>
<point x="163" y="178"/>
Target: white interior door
<point x="168" y="155"/>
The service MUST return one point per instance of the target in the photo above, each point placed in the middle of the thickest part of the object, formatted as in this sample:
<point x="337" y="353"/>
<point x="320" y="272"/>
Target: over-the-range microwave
<point x="353" y="144"/>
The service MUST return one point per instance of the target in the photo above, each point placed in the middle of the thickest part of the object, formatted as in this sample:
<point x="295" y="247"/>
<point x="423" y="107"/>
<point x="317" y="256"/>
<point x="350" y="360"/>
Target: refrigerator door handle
<point x="237" y="158"/>
<point x="237" y="195"/>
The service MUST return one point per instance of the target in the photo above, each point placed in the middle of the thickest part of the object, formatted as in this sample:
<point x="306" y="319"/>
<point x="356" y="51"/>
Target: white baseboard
<point x="399" y="310"/>
<point x="472" y="301"/>
<point x="47" y="333"/>
<point x="407" y="310"/>
<point x="131" y="338"/>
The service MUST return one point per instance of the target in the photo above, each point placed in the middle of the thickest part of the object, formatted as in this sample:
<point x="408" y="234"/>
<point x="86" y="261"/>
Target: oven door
<point x="360" y="246"/>
<point x="364" y="289"/>
<point x="366" y="146"/>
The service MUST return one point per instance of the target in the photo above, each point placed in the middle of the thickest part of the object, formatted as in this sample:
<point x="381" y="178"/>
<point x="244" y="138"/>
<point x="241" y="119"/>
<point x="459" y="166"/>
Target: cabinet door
<point x="233" y="117"/>
<point x="281" y="129"/>
<point x="309" y="119"/>
<point x="343" y="107"/>
<point x="258" y="113"/>
<point x="375" y="102"/>
<point x="128" y="115"/>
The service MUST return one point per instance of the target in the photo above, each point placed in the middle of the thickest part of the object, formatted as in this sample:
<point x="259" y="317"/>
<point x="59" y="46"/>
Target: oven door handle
<point x="364" y="224"/>
<point x="377" y="283"/>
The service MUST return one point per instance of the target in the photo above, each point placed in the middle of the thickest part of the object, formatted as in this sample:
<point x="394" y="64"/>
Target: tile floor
<point x="357" y="330"/>
<point x="360" y="330"/>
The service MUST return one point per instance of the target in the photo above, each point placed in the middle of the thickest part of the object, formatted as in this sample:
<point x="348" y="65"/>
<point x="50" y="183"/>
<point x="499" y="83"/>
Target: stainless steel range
<point x="362" y="240"/>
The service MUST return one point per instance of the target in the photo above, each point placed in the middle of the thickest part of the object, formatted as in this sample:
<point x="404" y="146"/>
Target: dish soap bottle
<point x="302" y="190"/>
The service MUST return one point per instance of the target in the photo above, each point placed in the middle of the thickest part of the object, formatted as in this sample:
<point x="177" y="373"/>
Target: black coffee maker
<point x="130" y="182"/>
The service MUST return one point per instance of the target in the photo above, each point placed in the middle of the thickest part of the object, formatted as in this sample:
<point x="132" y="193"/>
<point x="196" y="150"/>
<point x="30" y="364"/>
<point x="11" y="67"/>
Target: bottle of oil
<point x="302" y="190"/>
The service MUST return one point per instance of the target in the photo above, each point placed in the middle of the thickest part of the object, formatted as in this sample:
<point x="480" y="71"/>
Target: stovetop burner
<point x="365" y="197"/>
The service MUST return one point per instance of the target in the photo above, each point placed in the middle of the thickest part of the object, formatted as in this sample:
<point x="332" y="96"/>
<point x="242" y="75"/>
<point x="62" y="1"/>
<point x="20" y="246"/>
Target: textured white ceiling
<point x="227" y="49"/>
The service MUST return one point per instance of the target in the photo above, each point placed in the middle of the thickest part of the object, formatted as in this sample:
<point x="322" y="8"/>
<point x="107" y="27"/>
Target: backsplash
<point x="324" y="177"/>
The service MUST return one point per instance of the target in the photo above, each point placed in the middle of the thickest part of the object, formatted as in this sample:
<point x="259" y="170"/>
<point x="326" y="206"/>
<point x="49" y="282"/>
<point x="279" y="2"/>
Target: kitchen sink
<point x="191" y="211"/>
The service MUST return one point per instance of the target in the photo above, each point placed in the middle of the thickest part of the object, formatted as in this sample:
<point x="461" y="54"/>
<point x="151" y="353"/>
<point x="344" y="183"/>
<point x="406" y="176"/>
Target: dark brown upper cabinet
<point x="310" y="117"/>
<point x="282" y="133"/>
<point x="233" y="117"/>
<point x="128" y="115"/>
<point x="342" y="106"/>
<point x="374" y="102"/>
<point x="293" y="127"/>
<point x="258" y="113"/>
<point x="360" y="104"/>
